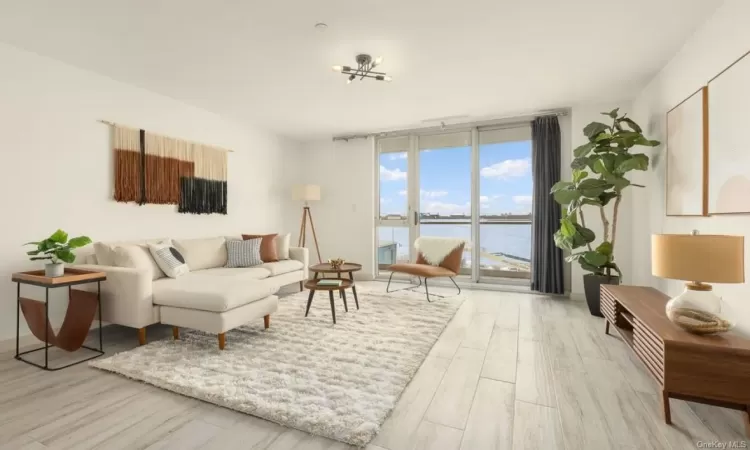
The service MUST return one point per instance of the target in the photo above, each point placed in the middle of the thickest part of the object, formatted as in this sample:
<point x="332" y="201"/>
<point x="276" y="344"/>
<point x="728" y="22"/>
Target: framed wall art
<point x="687" y="154"/>
<point x="729" y="141"/>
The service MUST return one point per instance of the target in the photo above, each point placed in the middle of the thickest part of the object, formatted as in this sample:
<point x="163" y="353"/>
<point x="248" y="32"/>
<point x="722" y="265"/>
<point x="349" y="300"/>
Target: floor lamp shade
<point x="700" y="257"/>
<point x="306" y="192"/>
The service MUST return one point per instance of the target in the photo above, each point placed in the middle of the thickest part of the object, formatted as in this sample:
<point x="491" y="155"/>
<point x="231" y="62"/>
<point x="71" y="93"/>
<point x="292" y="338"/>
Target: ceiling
<point x="264" y="62"/>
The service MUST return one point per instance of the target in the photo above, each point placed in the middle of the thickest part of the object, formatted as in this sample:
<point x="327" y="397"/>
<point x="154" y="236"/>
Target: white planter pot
<point x="53" y="270"/>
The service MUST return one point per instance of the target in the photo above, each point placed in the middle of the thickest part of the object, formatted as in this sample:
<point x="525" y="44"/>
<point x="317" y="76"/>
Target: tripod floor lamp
<point x="307" y="193"/>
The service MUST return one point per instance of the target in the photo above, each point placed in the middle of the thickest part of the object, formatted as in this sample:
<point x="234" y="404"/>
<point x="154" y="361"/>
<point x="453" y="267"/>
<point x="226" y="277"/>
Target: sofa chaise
<point x="210" y="298"/>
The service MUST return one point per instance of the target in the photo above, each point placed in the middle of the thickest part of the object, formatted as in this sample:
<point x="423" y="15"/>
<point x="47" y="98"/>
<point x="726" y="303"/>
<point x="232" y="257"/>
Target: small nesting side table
<point x="82" y="306"/>
<point x="348" y="267"/>
<point x="313" y="286"/>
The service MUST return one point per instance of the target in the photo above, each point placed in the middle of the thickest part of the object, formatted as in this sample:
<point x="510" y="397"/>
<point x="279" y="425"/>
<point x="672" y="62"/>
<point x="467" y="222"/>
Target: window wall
<point x="473" y="184"/>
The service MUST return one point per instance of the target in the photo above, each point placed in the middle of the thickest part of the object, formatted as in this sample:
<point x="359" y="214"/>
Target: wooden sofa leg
<point x="301" y="286"/>
<point x="176" y="332"/>
<point x="142" y="336"/>
<point x="267" y="321"/>
<point x="222" y="340"/>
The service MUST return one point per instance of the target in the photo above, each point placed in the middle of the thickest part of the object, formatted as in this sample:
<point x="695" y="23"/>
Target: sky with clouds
<point x="445" y="180"/>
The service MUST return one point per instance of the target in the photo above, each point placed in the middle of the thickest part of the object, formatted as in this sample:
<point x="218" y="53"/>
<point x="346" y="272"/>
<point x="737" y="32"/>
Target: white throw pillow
<point x="105" y="251"/>
<point x="203" y="253"/>
<point x="169" y="259"/>
<point x="138" y="257"/>
<point x="282" y="245"/>
<point x="104" y="254"/>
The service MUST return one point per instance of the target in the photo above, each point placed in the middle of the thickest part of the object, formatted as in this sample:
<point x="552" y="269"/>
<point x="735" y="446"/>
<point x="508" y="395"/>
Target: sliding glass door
<point x="393" y="232"/>
<point x="473" y="184"/>
<point x="444" y="196"/>
<point x="505" y="188"/>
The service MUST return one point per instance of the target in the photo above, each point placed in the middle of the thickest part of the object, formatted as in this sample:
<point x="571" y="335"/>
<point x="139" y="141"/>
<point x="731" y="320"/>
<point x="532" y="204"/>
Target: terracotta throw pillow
<point x="268" y="251"/>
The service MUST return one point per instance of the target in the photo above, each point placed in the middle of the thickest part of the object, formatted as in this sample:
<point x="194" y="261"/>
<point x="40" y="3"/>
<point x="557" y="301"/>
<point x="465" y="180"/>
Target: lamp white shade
<point x="306" y="192"/>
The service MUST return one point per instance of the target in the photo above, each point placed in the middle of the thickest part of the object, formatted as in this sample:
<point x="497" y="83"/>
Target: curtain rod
<point x="113" y="124"/>
<point x="509" y="120"/>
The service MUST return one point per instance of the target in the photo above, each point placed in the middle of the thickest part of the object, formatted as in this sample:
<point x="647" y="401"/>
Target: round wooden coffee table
<point x="313" y="286"/>
<point x="349" y="268"/>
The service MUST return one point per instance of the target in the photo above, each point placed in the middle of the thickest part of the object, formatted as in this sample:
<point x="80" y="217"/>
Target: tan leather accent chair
<point x="449" y="267"/>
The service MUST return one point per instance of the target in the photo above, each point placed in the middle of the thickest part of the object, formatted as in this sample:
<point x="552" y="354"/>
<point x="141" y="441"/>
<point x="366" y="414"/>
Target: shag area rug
<point x="339" y="381"/>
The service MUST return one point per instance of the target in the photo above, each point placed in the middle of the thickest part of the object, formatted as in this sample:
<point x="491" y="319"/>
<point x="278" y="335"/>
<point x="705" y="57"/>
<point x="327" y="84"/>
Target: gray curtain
<point x="546" y="258"/>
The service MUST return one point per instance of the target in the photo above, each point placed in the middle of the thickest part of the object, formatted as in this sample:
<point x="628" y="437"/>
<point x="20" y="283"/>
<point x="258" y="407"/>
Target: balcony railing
<point x="504" y="219"/>
<point x="519" y="264"/>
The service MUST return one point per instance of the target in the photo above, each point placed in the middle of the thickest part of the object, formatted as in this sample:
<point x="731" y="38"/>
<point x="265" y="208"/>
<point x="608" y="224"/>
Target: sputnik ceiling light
<point x="365" y="64"/>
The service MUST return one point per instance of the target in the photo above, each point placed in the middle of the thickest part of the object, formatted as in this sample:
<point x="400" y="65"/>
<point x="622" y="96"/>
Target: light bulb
<point x="337" y="68"/>
<point x="388" y="78"/>
<point x="349" y="81"/>
<point x="378" y="60"/>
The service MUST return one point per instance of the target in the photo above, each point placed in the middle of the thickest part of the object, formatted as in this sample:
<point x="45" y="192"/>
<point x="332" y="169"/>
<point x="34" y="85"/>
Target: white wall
<point x="720" y="41"/>
<point x="56" y="165"/>
<point x="345" y="216"/>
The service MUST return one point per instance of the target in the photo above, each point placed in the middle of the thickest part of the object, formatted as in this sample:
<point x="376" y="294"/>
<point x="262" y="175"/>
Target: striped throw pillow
<point x="243" y="253"/>
<point x="169" y="259"/>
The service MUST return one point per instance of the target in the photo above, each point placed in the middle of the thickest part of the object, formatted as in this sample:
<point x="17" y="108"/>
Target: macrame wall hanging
<point x="156" y="169"/>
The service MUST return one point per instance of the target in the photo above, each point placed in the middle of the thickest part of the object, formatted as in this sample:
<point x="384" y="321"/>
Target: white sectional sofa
<point x="211" y="297"/>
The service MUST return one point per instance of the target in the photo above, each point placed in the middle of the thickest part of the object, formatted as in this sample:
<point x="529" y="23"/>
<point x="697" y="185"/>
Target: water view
<point x="502" y="245"/>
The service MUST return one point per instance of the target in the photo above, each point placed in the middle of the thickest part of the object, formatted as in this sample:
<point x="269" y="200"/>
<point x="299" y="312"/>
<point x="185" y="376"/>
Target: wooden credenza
<point x="712" y="369"/>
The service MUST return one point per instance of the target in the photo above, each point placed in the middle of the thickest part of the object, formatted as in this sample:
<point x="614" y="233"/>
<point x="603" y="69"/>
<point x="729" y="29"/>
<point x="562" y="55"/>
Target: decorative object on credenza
<point x="307" y="193"/>
<point x="729" y="151"/>
<point x="600" y="171"/>
<point x="697" y="321"/>
<point x="698" y="259"/>
<point x="336" y="263"/>
<point x="150" y="168"/>
<point x="56" y="249"/>
<point x="364" y="69"/>
<point x="687" y="155"/>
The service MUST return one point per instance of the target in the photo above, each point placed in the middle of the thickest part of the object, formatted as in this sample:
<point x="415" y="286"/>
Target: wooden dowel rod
<point x="112" y="124"/>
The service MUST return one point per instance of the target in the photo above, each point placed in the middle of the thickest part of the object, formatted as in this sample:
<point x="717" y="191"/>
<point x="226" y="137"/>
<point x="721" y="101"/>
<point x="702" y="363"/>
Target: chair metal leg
<point x="457" y="286"/>
<point x="387" y="288"/>
<point x="426" y="289"/>
<point x="438" y="295"/>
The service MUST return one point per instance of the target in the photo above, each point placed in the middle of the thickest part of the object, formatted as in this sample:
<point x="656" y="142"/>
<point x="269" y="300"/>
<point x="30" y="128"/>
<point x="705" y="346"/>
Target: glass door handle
<point x="415" y="217"/>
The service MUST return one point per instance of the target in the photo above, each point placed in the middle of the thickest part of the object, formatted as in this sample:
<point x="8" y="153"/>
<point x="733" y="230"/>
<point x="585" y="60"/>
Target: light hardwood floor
<point x="511" y="371"/>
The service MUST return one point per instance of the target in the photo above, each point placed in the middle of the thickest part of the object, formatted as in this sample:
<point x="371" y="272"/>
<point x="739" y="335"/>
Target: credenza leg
<point x="606" y="327"/>
<point x="747" y="420"/>
<point x="665" y="405"/>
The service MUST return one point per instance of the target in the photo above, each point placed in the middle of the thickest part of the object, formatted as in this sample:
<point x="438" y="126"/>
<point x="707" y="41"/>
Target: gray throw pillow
<point x="243" y="253"/>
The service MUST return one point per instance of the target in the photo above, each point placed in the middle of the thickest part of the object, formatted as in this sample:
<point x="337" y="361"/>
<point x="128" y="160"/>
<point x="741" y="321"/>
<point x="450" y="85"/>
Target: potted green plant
<point x="58" y="250"/>
<point x="600" y="169"/>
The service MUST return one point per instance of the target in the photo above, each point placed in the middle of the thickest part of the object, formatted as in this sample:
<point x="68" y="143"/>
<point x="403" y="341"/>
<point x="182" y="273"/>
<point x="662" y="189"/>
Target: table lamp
<point x="699" y="259"/>
<point x="307" y="193"/>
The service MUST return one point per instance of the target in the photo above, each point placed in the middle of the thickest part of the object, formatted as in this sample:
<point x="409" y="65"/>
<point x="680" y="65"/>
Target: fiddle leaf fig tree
<point x="600" y="169"/>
